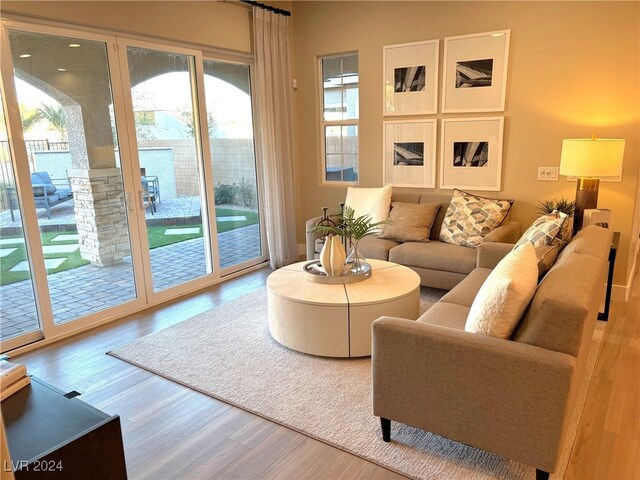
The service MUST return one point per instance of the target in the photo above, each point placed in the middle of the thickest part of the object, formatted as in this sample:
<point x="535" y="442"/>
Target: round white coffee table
<point x="335" y="320"/>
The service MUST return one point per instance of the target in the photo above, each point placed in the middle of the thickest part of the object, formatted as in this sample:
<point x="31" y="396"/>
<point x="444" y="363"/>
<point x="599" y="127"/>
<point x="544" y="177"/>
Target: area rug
<point x="227" y="353"/>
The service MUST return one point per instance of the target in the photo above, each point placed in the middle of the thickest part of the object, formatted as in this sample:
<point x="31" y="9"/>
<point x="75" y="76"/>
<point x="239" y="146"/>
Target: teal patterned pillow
<point x="469" y="218"/>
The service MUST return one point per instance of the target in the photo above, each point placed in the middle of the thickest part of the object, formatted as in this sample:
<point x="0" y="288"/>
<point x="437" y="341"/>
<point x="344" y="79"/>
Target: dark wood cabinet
<point x="52" y="436"/>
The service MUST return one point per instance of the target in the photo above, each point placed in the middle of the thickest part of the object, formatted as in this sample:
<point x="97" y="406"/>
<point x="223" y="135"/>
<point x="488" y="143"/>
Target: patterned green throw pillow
<point x="469" y="218"/>
<point x="544" y="230"/>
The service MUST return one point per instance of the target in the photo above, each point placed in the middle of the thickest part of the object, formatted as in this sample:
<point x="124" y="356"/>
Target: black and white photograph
<point x="410" y="79"/>
<point x="470" y="154"/>
<point x="474" y="73"/>
<point x="408" y="154"/>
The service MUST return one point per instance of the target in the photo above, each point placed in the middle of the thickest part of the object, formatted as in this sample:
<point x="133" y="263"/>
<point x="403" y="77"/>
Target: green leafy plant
<point x="349" y="226"/>
<point x="548" y="206"/>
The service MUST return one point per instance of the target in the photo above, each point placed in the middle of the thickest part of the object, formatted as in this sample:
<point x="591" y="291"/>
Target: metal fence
<point x="6" y="168"/>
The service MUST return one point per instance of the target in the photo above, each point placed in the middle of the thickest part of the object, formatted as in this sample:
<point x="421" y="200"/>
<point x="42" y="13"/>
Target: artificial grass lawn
<point x="155" y="234"/>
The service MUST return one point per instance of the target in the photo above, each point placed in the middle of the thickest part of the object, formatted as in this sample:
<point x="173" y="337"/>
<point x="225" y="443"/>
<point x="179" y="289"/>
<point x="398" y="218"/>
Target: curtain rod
<point x="279" y="11"/>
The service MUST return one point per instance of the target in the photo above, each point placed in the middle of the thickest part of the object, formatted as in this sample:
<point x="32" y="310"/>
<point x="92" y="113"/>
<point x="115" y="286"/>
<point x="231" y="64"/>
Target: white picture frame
<point x="409" y="153"/>
<point x="471" y="153"/>
<point x="475" y="72"/>
<point x="410" y="78"/>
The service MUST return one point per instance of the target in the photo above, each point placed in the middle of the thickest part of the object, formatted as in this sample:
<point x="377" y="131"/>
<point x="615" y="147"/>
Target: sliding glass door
<point x="19" y="322"/>
<point x="63" y="88"/>
<point x="135" y="179"/>
<point x="167" y="127"/>
<point x="237" y="197"/>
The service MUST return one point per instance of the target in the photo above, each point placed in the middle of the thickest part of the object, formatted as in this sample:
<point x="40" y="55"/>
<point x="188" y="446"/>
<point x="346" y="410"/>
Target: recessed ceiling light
<point x="74" y="45"/>
<point x="62" y="69"/>
<point x="497" y="34"/>
<point x="25" y="55"/>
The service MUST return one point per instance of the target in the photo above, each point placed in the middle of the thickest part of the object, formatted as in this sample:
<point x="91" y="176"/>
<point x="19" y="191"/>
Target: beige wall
<point x="573" y="71"/>
<point x="215" y="24"/>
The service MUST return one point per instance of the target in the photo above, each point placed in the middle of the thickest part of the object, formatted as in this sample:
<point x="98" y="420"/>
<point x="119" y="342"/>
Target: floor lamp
<point x="589" y="159"/>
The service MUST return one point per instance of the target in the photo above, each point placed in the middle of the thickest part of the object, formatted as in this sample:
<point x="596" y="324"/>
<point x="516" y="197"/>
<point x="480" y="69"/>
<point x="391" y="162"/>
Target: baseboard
<point x="621" y="293"/>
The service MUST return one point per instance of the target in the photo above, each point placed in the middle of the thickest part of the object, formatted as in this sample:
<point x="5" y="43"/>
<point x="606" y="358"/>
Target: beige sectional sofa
<point x="439" y="264"/>
<point x="511" y="397"/>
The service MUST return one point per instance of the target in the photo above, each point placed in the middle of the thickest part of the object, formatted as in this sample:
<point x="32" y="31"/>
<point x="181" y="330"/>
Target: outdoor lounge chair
<point x="45" y="193"/>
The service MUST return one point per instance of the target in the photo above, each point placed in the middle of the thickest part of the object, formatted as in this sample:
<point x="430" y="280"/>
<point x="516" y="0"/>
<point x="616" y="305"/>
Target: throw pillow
<point x="505" y="294"/>
<point x="374" y="202"/>
<point x="410" y="222"/>
<point x="43" y="182"/>
<point x="544" y="230"/>
<point x="565" y="235"/>
<point x="547" y="257"/>
<point x="469" y="218"/>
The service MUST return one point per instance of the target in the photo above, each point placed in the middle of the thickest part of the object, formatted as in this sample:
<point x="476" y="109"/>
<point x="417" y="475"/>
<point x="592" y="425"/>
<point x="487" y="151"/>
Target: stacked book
<point x="13" y="377"/>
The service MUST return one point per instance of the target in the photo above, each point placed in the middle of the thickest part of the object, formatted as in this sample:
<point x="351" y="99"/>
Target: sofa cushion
<point x="374" y="202"/>
<point x="42" y="201"/>
<point x="446" y="315"/>
<point x="469" y="218"/>
<point x="544" y="230"/>
<point x="435" y="256"/>
<point x="505" y="294"/>
<point x="376" y="247"/>
<point x="556" y="316"/>
<point x="410" y="222"/>
<point x="465" y="292"/>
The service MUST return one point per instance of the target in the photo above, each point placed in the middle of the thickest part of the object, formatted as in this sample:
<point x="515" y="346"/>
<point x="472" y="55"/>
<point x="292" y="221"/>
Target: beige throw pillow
<point x="505" y="294"/>
<point x="410" y="222"/>
<point x="469" y="218"/>
<point x="374" y="202"/>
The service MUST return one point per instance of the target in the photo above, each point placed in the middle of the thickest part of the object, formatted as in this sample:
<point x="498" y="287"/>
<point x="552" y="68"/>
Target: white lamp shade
<point x="587" y="157"/>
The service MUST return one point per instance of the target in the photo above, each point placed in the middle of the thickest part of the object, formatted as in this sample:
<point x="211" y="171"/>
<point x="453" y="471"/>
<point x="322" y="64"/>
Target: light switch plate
<point x="548" y="174"/>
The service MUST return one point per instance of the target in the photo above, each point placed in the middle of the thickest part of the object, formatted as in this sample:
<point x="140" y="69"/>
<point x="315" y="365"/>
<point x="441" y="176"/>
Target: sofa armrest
<point x="490" y="254"/>
<point x="311" y="236"/>
<point x="506" y="397"/>
<point x="508" y="232"/>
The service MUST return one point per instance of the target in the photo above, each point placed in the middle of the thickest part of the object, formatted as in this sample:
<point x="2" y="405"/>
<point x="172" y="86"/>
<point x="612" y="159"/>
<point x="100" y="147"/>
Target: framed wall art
<point x="475" y="72"/>
<point x="410" y="153"/>
<point x="471" y="153"/>
<point x="411" y="78"/>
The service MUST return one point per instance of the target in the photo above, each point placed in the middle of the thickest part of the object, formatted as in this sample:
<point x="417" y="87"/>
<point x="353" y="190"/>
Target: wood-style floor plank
<point x="171" y="431"/>
<point x="606" y="446"/>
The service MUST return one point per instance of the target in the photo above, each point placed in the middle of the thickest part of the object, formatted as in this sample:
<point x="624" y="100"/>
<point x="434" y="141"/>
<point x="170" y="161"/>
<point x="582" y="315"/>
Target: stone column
<point x="100" y="216"/>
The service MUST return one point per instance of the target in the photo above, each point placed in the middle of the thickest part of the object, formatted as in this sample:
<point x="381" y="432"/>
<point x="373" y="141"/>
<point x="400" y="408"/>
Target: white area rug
<point x="227" y="353"/>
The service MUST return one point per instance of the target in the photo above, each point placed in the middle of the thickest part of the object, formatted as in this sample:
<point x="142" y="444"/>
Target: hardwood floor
<point x="171" y="431"/>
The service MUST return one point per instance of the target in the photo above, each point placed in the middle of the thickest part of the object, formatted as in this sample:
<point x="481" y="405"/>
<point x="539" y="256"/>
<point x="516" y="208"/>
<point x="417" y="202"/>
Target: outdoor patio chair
<point x="46" y="194"/>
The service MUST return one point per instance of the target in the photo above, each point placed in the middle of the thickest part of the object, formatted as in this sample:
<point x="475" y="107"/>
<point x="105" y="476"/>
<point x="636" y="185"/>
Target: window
<point x="339" y="120"/>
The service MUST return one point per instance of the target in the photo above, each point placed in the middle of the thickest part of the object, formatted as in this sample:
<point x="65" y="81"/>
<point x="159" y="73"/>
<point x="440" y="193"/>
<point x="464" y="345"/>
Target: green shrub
<point x="242" y="194"/>
<point x="224" y="194"/>
<point x="246" y="194"/>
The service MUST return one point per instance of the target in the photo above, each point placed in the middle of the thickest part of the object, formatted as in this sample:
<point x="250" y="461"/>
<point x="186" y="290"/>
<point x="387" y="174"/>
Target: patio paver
<point x="89" y="289"/>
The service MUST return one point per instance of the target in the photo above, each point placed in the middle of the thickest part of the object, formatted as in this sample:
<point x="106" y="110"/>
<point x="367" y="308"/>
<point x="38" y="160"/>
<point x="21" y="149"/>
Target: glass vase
<point x="356" y="260"/>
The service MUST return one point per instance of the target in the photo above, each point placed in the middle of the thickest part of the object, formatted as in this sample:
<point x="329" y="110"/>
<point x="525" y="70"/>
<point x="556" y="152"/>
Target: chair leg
<point x="542" y="475"/>
<point x="385" y="424"/>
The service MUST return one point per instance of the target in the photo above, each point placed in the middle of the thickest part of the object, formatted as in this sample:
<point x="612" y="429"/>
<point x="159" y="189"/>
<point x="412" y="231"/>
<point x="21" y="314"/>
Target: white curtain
<point x="274" y="138"/>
